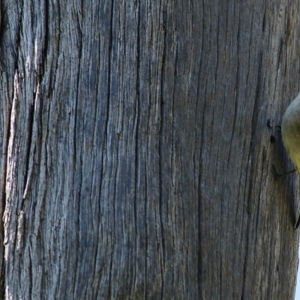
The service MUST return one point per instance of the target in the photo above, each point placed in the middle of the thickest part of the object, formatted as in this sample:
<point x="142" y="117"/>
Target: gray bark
<point x="136" y="153"/>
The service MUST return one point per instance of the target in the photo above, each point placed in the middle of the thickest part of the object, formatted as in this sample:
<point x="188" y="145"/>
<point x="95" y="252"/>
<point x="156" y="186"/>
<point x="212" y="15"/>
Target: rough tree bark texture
<point x="136" y="153"/>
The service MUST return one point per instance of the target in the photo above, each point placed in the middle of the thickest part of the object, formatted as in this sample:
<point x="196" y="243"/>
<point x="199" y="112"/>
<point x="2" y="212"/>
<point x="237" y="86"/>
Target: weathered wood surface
<point x="136" y="152"/>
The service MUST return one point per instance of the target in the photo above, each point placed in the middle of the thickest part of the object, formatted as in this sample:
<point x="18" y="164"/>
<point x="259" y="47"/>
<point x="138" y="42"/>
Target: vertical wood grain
<point x="136" y="153"/>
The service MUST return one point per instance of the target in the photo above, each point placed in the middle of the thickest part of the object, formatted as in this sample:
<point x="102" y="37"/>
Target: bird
<point x="290" y="133"/>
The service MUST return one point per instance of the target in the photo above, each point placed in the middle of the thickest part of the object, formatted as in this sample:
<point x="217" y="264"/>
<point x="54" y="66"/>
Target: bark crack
<point x="3" y="204"/>
<point x="27" y="176"/>
<point x="109" y="74"/>
<point x="161" y="154"/>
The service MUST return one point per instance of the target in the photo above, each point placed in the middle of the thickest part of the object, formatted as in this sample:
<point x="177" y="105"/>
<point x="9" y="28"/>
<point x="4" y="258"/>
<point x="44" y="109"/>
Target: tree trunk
<point x="136" y="149"/>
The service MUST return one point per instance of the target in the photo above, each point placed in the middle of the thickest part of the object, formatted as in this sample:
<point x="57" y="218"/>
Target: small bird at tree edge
<point x="290" y="132"/>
